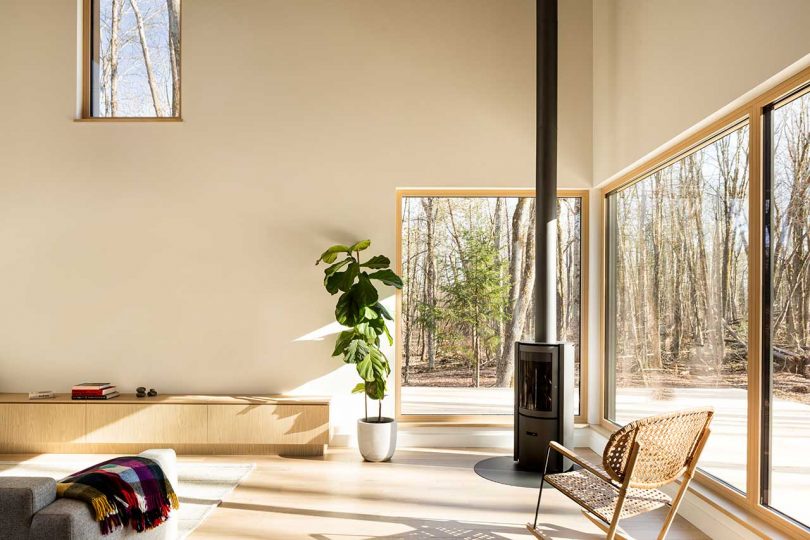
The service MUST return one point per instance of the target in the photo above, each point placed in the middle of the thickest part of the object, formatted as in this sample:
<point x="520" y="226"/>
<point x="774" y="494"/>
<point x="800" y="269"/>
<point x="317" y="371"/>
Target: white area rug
<point x="202" y="485"/>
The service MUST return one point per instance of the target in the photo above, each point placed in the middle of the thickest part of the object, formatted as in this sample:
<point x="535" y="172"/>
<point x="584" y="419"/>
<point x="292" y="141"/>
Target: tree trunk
<point x="406" y="308"/>
<point x="521" y="271"/>
<point x="500" y="215"/>
<point x="115" y="24"/>
<point x="173" y="8"/>
<point x="476" y="359"/>
<point x="147" y="61"/>
<point x="429" y="302"/>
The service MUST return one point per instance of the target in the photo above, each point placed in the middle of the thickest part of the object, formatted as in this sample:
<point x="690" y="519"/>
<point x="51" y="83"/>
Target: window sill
<point x="456" y="421"/>
<point x="469" y="421"/>
<point x="128" y="119"/>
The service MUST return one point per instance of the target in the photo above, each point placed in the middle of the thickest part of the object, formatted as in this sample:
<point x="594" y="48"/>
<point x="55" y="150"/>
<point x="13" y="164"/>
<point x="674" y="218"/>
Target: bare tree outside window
<point x="468" y="268"/>
<point x="677" y="284"/>
<point x="135" y="58"/>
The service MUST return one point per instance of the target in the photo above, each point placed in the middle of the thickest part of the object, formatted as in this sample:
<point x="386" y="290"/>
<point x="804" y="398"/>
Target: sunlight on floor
<point x="422" y="493"/>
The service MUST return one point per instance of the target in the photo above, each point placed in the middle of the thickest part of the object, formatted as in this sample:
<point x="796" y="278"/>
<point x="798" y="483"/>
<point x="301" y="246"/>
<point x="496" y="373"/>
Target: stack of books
<point x="94" y="391"/>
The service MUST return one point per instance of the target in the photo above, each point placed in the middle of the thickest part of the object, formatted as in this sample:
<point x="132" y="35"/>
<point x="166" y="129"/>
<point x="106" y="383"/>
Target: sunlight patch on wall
<point x="334" y="328"/>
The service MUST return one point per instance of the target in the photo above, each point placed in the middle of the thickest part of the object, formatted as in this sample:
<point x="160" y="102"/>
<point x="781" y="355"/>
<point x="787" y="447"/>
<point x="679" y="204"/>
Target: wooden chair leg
<point x="676" y="502"/>
<point x="614" y="523"/>
<point x="617" y="512"/>
<point x="687" y="478"/>
<point x="536" y="533"/>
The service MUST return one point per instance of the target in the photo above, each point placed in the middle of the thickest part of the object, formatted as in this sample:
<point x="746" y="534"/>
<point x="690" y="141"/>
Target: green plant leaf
<point x="388" y="334"/>
<point x="365" y="330"/>
<point x="370" y="333"/>
<point x="379" y="308"/>
<point x="388" y="277"/>
<point x="366" y="292"/>
<point x="356" y="351"/>
<point x="329" y="270"/>
<point x="376" y="389"/>
<point x="350" y="307"/>
<point x="343" y="340"/>
<point x="369" y="314"/>
<point x="377" y="324"/>
<point x="377" y="261"/>
<point x="360" y="246"/>
<point x="378" y="361"/>
<point x="365" y="368"/>
<point x="331" y="254"/>
<point x="359" y="387"/>
<point x="342" y="281"/>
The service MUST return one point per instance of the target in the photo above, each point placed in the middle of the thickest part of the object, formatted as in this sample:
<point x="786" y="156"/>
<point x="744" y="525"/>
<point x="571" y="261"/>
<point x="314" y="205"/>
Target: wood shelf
<point x="179" y="399"/>
<point x="191" y="424"/>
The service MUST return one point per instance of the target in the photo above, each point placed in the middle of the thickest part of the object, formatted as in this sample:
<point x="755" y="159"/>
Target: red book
<point x="107" y="396"/>
<point x="94" y="392"/>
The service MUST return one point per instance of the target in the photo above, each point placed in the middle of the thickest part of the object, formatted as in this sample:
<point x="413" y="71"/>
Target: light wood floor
<point x="430" y="494"/>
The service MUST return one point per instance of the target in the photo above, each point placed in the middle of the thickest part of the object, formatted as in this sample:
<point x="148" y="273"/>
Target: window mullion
<point x="755" y="239"/>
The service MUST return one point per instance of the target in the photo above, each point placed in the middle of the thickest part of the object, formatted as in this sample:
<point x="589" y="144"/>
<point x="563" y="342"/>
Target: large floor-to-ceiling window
<point x="677" y="289"/>
<point x="786" y="482"/>
<point x="468" y="262"/>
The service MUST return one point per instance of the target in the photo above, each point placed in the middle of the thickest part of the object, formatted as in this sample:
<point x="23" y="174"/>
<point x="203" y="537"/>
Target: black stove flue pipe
<point x="545" y="287"/>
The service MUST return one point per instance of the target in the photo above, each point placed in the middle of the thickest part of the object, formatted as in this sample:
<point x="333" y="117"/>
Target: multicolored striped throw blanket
<point x="123" y="491"/>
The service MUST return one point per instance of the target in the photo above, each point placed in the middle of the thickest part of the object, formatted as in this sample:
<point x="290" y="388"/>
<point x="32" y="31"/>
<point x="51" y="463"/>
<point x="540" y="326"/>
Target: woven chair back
<point x="667" y="445"/>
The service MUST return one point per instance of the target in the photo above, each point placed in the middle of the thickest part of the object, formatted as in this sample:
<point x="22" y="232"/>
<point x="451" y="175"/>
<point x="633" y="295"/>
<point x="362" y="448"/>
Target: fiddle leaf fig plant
<point x="360" y="311"/>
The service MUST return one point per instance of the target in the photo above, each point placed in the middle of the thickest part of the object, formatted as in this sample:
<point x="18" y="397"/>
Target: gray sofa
<point x="29" y="510"/>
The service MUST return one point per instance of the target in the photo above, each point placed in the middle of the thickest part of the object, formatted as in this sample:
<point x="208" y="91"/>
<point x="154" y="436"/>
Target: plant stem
<point x="379" y="413"/>
<point x="365" y="399"/>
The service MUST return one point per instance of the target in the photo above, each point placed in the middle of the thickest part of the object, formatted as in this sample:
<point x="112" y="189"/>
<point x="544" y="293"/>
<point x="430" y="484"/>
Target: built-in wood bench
<point x="191" y="424"/>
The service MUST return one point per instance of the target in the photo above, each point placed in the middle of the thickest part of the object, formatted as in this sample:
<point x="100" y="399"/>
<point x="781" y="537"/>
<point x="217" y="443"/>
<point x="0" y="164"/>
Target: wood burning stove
<point x="544" y="403"/>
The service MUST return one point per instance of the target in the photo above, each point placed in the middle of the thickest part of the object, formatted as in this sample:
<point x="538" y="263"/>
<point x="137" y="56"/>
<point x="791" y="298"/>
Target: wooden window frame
<point x="86" y="113"/>
<point x="492" y="420"/>
<point x="751" y="112"/>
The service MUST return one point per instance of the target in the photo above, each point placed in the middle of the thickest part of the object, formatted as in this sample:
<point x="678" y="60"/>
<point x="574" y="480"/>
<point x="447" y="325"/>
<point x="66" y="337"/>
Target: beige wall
<point x="662" y="66"/>
<point x="575" y="93"/>
<point x="180" y="256"/>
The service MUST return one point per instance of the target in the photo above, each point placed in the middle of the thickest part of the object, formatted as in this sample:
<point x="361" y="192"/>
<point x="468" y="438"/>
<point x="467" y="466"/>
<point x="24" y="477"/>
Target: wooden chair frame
<point x="612" y="529"/>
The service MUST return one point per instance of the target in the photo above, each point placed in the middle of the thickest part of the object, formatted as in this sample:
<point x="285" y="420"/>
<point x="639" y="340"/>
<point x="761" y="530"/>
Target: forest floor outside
<point x="451" y="372"/>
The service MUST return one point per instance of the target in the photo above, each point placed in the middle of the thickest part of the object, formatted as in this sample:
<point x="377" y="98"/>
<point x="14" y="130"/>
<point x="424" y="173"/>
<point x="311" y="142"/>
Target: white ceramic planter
<point x="377" y="440"/>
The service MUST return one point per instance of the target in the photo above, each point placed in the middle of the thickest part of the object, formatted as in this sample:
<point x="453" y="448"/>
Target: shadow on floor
<point x="434" y="529"/>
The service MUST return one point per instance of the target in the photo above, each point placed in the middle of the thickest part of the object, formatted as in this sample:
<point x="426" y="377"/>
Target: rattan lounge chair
<point x="639" y="458"/>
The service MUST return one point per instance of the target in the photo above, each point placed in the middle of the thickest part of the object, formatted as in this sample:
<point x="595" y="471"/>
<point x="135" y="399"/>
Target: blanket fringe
<point x="102" y="508"/>
<point x="174" y="500"/>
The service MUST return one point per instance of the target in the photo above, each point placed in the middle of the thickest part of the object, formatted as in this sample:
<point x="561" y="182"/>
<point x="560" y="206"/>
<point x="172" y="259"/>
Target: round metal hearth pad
<point x="503" y="470"/>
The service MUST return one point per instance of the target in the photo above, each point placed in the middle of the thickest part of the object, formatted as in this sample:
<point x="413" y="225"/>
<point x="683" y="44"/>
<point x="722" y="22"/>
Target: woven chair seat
<point x="600" y="497"/>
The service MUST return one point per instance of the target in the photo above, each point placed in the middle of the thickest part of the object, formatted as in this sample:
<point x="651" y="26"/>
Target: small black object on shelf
<point x="152" y="392"/>
<point x="140" y="392"/>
